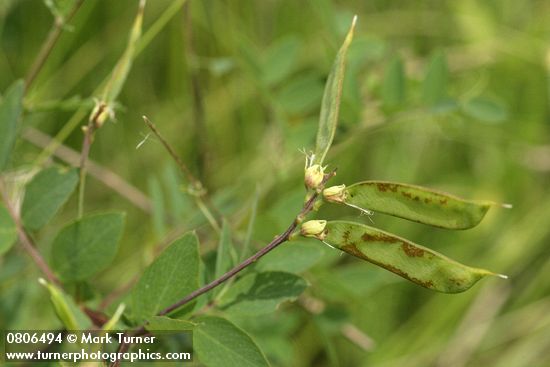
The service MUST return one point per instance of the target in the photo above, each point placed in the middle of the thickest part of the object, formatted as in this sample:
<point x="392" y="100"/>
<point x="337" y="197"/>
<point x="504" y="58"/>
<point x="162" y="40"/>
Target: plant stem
<point x="49" y="43"/>
<point x="197" y="187"/>
<point x="26" y="241"/>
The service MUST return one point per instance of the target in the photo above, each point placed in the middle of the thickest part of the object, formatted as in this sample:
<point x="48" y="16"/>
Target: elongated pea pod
<point x="414" y="203"/>
<point x="416" y="263"/>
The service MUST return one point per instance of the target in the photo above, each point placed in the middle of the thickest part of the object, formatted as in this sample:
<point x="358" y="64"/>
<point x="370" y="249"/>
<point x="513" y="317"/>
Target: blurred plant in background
<point x="451" y="95"/>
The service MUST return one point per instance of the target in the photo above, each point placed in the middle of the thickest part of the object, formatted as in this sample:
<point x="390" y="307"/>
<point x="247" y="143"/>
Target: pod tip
<point x="507" y="206"/>
<point x="502" y="276"/>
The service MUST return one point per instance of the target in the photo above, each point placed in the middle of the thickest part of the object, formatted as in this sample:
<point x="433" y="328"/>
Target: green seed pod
<point x="413" y="262"/>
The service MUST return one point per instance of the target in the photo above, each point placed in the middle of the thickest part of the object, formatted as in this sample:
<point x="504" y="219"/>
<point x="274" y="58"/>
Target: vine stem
<point x="278" y="240"/>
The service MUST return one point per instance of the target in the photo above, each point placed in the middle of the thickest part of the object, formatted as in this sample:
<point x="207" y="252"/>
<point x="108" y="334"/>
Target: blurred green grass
<point x="261" y="68"/>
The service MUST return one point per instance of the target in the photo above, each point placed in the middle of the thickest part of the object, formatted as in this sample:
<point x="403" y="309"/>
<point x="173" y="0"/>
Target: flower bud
<point x="314" y="176"/>
<point x="100" y="114"/>
<point x="314" y="228"/>
<point x="335" y="194"/>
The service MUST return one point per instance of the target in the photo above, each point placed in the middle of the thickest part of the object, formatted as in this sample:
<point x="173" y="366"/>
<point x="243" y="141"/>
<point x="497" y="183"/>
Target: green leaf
<point x="122" y="69"/>
<point x="331" y="100"/>
<point x="259" y="293"/>
<point x="87" y="246"/>
<point x="434" y="88"/>
<point x="393" y="87"/>
<point x="66" y="310"/>
<point x="413" y="262"/>
<point x="416" y="203"/>
<point x="292" y="257"/>
<point x="219" y="343"/>
<point x="174" y="274"/>
<point x="485" y="109"/>
<point x="8" y="230"/>
<point x="10" y="110"/>
<point x="163" y="323"/>
<point x="45" y="195"/>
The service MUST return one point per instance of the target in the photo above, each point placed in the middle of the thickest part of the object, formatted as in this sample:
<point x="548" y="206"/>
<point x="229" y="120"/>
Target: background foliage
<point x="447" y="94"/>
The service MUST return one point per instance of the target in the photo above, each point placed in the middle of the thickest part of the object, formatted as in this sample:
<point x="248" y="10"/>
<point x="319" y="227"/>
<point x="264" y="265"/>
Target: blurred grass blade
<point x="109" y="325"/>
<point x="60" y="8"/>
<point x="416" y="263"/>
<point x="122" y="68"/>
<point x="393" y="87"/>
<point x="331" y="100"/>
<point x="66" y="310"/>
<point x="418" y="204"/>
<point x="159" y="211"/>
<point x="10" y="110"/>
<point x="224" y="254"/>
<point x="434" y="88"/>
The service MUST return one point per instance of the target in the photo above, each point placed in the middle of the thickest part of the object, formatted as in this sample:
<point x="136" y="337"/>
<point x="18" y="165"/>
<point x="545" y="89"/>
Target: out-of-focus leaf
<point x="163" y="323"/>
<point x="393" y="87"/>
<point x="66" y="310"/>
<point x="122" y="68"/>
<point x="292" y="257"/>
<point x="417" y="203"/>
<point x="280" y="60"/>
<point x="45" y="194"/>
<point x="8" y="230"/>
<point x="259" y="293"/>
<point x="224" y="259"/>
<point x="301" y="95"/>
<point x="434" y="88"/>
<point x="178" y="201"/>
<point x="10" y="110"/>
<point x="251" y="225"/>
<point x="416" y="263"/>
<point x="485" y="109"/>
<point x="174" y="274"/>
<point x="331" y="100"/>
<point x="219" y="343"/>
<point x="224" y="255"/>
<point x="159" y="212"/>
<point x="86" y="246"/>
